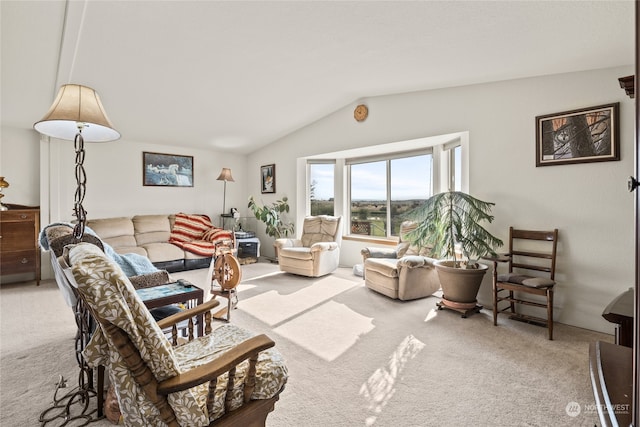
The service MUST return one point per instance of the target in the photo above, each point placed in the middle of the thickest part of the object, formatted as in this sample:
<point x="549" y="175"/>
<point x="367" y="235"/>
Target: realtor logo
<point x="573" y="409"/>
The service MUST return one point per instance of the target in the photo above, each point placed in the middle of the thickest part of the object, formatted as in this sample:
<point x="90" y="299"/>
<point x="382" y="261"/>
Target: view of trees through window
<point x="321" y="190"/>
<point x="376" y="192"/>
<point x="382" y="191"/>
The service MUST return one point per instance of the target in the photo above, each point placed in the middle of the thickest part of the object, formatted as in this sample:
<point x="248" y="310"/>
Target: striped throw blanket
<point x="196" y="234"/>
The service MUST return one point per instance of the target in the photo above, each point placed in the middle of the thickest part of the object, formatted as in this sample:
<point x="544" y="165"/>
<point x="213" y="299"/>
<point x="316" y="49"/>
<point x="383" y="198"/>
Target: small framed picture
<point x="268" y="178"/>
<point x="167" y="170"/>
<point x="578" y="136"/>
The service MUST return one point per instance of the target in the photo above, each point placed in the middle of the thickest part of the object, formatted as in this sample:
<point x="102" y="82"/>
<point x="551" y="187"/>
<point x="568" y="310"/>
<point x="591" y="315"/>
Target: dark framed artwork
<point x="268" y="178"/>
<point x="578" y="136"/>
<point x="167" y="170"/>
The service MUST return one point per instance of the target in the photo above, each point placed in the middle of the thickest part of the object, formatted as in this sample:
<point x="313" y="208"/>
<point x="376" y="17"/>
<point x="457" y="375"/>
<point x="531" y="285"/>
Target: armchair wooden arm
<point x="157" y="391"/>
<point x="173" y="320"/>
<point x="248" y="349"/>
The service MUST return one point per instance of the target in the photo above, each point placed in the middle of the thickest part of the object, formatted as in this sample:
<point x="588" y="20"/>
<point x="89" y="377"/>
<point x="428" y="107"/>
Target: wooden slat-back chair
<point x="539" y="266"/>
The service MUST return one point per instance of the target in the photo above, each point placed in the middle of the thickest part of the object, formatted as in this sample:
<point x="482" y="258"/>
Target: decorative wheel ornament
<point x="227" y="272"/>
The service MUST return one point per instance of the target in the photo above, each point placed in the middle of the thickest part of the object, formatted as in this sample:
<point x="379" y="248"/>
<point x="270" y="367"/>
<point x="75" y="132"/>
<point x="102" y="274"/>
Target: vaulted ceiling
<point x="234" y="76"/>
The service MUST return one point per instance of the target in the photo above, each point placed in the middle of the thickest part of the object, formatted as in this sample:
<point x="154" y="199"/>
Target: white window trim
<point x="342" y="179"/>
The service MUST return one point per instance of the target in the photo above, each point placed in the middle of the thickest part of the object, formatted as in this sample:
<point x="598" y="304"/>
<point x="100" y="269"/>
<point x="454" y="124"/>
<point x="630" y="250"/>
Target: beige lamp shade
<point x="225" y="175"/>
<point x="77" y="107"/>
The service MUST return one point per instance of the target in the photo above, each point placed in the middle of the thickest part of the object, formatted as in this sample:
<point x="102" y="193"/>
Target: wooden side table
<point x="173" y="293"/>
<point x="19" y="249"/>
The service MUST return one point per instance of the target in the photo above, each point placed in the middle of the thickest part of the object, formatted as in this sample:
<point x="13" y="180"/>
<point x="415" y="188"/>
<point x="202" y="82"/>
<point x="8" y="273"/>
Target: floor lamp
<point x="77" y="114"/>
<point x="225" y="176"/>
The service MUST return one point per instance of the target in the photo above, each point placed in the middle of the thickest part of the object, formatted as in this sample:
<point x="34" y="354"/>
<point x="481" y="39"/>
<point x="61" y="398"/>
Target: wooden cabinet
<point x="19" y="251"/>
<point x="620" y="312"/>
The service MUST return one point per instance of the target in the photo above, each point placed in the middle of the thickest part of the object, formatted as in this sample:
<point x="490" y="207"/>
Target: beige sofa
<point x="147" y="235"/>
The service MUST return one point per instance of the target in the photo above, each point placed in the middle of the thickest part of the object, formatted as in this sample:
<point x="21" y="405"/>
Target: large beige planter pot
<point x="460" y="287"/>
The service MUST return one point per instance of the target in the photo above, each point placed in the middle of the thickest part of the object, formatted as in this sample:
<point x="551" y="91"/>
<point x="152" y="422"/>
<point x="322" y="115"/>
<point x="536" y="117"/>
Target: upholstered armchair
<point x="403" y="273"/>
<point x="316" y="252"/>
<point x="229" y="376"/>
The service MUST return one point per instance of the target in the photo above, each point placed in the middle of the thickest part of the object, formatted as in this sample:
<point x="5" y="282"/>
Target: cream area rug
<point x="355" y="357"/>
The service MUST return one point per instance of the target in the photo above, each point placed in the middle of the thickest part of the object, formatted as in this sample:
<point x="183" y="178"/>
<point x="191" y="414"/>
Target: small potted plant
<point x="271" y="215"/>
<point x="450" y="224"/>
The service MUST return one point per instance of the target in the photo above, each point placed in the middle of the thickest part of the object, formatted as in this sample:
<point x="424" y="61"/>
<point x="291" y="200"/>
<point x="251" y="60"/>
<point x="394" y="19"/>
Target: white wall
<point x="42" y="172"/>
<point x="114" y="181"/>
<point x="19" y="164"/>
<point x="588" y="203"/>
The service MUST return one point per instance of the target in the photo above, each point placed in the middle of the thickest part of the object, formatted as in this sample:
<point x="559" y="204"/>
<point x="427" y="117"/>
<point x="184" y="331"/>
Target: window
<point x="457" y="168"/>
<point x="382" y="190"/>
<point x="321" y="188"/>
<point x="369" y="199"/>
<point x="453" y="153"/>
<point x="371" y="187"/>
<point x="411" y="185"/>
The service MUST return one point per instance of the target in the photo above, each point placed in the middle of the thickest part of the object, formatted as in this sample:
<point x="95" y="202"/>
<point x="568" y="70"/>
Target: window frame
<point x="342" y="196"/>
<point x="387" y="158"/>
<point x="450" y="169"/>
<point x="309" y="164"/>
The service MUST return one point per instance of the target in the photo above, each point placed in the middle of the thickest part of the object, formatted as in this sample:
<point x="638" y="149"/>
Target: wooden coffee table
<point x="174" y="293"/>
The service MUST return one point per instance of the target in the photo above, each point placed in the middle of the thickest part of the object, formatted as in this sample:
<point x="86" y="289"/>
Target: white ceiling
<point x="235" y="75"/>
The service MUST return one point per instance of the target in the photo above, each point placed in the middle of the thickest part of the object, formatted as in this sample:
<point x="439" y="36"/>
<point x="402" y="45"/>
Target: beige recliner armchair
<point x="403" y="273"/>
<point x="316" y="252"/>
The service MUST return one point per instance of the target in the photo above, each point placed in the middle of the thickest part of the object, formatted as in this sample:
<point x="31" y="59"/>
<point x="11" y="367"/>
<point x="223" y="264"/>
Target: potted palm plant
<point x="450" y="223"/>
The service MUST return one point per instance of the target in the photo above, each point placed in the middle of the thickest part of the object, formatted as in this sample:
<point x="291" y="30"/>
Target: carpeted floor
<point x="355" y="358"/>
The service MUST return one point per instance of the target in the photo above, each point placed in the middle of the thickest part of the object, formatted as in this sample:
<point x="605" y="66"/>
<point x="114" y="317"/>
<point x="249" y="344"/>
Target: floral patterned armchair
<point x="229" y="376"/>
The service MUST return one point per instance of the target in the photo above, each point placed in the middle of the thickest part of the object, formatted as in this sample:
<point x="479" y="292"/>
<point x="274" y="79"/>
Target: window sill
<point x="370" y="239"/>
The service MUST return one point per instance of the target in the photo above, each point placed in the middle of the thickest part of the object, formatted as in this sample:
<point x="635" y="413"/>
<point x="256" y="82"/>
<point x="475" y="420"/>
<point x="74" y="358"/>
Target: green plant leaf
<point x="271" y="216"/>
<point x="451" y="219"/>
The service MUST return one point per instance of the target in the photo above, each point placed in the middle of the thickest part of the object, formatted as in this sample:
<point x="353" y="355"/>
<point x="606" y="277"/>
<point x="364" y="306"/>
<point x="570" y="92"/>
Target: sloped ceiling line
<point x="236" y="76"/>
<point x="74" y="18"/>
